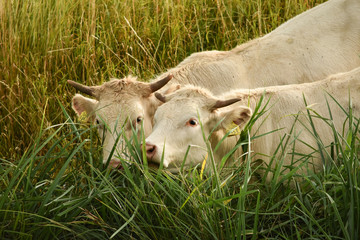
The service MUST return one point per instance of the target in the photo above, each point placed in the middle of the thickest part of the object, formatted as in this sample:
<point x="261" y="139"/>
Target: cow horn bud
<point x="82" y="88"/>
<point x="160" y="97"/>
<point x="224" y="103"/>
<point x="159" y="84"/>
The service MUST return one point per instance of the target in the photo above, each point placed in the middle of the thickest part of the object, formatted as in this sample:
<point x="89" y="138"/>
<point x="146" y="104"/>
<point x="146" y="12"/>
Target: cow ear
<point x="82" y="104"/>
<point x="235" y="117"/>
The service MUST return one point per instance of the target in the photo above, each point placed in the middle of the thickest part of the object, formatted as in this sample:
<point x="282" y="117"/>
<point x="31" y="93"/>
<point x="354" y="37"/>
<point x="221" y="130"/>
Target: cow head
<point x="177" y="125"/>
<point x="120" y="106"/>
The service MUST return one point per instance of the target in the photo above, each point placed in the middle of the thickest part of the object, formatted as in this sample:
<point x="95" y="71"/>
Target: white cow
<point x="177" y="121"/>
<point x="321" y="41"/>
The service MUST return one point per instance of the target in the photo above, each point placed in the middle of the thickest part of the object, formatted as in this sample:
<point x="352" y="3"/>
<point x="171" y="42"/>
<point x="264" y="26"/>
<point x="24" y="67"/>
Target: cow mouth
<point x="154" y="165"/>
<point x="115" y="164"/>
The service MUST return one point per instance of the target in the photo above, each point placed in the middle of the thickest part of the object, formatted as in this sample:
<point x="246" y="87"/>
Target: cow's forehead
<point x="111" y="110"/>
<point x="181" y="108"/>
<point x="122" y="89"/>
<point x="189" y="101"/>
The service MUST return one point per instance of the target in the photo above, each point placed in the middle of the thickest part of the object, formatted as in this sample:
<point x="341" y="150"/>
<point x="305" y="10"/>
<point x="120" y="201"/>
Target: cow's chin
<point x="156" y="166"/>
<point x="116" y="157"/>
<point x="172" y="168"/>
<point x="173" y="165"/>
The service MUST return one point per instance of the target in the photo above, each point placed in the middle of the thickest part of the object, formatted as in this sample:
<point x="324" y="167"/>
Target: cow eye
<point x="139" y="119"/>
<point x="192" y="122"/>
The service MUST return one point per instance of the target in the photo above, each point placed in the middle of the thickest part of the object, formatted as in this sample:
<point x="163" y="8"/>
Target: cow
<point x="110" y="113"/>
<point x="177" y="121"/>
<point x="321" y="41"/>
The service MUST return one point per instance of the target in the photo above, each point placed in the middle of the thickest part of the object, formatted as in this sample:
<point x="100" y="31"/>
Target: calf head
<point x="119" y="107"/>
<point x="177" y="125"/>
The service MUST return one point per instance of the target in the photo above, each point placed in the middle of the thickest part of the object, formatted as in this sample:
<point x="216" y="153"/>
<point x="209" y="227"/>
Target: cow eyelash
<point x="192" y="122"/>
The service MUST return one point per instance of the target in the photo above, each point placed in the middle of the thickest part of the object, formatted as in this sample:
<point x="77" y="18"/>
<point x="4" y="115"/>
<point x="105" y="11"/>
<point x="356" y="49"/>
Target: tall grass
<point x="67" y="193"/>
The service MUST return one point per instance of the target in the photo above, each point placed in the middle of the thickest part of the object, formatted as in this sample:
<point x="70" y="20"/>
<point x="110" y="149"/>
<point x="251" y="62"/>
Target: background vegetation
<point x="52" y="184"/>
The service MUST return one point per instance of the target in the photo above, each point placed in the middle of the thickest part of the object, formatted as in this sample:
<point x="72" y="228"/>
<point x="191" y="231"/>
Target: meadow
<point x="53" y="184"/>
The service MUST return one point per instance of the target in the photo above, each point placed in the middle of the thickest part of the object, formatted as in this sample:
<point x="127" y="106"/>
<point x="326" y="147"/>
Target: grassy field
<point x="53" y="185"/>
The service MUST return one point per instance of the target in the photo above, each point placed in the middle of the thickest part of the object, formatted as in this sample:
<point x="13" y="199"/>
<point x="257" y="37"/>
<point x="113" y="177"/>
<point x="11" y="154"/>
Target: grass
<point x="53" y="185"/>
<point x="68" y="194"/>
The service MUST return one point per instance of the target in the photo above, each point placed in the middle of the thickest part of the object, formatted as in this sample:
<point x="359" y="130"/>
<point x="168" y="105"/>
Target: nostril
<point x="150" y="150"/>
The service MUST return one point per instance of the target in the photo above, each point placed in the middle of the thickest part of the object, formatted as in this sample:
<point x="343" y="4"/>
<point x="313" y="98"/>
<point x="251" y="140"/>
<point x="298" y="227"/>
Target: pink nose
<point x="150" y="150"/>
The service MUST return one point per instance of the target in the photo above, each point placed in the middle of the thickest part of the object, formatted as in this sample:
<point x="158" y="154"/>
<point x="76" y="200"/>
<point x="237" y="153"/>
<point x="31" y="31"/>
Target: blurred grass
<point x="44" y="43"/>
